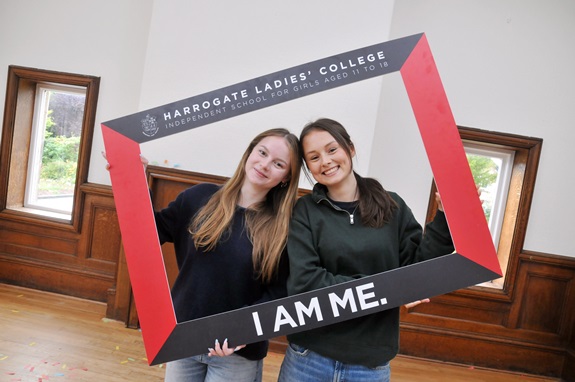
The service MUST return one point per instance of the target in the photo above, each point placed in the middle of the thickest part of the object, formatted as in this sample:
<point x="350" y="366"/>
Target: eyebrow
<point x="326" y="145"/>
<point x="268" y="150"/>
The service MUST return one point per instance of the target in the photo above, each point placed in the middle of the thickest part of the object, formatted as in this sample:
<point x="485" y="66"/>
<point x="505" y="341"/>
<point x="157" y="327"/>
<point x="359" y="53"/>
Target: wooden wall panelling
<point x="100" y="237"/>
<point x="53" y="256"/>
<point x="568" y="373"/>
<point x="528" y="334"/>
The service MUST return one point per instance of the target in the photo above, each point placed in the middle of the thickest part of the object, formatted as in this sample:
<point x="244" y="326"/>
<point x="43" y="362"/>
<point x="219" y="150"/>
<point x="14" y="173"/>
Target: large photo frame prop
<point x="473" y="262"/>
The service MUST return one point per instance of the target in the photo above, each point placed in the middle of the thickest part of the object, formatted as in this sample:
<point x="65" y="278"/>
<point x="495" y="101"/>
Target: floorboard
<point x="46" y="337"/>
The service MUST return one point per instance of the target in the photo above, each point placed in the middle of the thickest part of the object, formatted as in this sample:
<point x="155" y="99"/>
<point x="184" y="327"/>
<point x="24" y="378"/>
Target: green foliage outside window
<point x="485" y="171"/>
<point x="59" y="161"/>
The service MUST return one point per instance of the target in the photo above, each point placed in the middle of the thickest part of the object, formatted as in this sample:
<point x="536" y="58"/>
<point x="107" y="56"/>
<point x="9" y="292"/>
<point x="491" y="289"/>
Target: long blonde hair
<point x="267" y="222"/>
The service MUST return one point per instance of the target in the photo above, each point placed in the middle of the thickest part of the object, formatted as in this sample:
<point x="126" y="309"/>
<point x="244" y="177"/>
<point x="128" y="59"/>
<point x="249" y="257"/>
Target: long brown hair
<point x="267" y="222"/>
<point x="376" y="206"/>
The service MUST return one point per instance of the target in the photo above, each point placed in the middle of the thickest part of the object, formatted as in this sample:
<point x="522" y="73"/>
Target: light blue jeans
<point x="202" y="368"/>
<point x="303" y="365"/>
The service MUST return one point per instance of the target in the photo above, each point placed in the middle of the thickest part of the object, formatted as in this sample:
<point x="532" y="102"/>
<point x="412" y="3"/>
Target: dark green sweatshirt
<point x="325" y="249"/>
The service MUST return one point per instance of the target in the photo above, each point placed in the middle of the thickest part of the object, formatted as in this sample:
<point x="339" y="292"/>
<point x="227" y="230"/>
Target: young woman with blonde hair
<point x="230" y="247"/>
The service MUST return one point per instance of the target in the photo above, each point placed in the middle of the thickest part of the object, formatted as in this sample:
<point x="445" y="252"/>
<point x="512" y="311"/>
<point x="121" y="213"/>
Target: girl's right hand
<point x="142" y="158"/>
<point x="224" y="350"/>
<point x="415" y="303"/>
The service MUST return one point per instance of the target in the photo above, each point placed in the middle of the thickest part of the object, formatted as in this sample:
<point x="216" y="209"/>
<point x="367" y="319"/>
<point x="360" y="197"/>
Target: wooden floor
<point x="46" y="337"/>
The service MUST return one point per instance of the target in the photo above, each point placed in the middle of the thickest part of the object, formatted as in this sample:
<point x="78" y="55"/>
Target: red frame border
<point x="163" y="334"/>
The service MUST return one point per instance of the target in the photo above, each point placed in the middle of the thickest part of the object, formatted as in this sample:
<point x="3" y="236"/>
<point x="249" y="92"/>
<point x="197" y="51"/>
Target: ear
<point x="352" y="149"/>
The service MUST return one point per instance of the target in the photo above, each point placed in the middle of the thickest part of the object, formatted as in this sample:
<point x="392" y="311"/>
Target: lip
<point x="331" y="171"/>
<point x="259" y="173"/>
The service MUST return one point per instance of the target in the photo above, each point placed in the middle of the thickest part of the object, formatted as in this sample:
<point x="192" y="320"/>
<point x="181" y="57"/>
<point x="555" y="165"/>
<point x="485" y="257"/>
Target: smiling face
<point x="327" y="161"/>
<point x="269" y="163"/>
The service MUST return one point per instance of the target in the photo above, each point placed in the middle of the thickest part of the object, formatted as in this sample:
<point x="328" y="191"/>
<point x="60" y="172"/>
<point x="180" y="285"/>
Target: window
<point x="491" y="168"/>
<point x="46" y="141"/>
<point x="54" y="145"/>
<point x="505" y="167"/>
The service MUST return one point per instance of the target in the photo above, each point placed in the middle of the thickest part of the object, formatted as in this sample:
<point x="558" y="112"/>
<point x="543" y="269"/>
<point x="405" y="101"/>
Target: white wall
<point x="505" y="66"/>
<point x="199" y="46"/>
<point x="149" y="53"/>
<point x="106" y="38"/>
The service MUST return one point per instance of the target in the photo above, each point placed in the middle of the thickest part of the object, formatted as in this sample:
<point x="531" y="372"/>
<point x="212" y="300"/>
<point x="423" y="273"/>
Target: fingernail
<point x="236" y="349"/>
<point x="210" y="350"/>
<point x="226" y="340"/>
<point x="217" y="340"/>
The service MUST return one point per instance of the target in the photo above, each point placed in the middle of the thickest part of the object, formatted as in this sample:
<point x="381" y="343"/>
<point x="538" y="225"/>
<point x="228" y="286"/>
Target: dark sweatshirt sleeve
<point x="169" y="219"/>
<point x="416" y="246"/>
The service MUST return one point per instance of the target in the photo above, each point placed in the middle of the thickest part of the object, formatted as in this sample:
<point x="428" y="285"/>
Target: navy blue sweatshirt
<point x="222" y="279"/>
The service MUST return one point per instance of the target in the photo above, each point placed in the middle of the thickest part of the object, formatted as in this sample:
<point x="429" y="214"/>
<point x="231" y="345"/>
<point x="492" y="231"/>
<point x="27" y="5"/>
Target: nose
<point x="325" y="159"/>
<point x="266" y="163"/>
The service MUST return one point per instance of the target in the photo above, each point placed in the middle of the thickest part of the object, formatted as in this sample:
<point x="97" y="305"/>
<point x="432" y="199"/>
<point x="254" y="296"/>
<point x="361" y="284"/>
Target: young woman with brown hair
<point x="347" y="228"/>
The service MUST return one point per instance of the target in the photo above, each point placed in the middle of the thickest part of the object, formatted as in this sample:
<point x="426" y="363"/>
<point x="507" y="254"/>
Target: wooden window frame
<point x="15" y="145"/>
<point x="524" y="173"/>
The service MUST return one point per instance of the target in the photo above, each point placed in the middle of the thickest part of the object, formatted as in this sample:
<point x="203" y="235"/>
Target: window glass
<point x="54" y="148"/>
<point x="491" y="168"/>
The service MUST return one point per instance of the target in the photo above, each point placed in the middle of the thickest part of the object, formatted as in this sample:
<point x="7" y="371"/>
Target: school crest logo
<point x="149" y="126"/>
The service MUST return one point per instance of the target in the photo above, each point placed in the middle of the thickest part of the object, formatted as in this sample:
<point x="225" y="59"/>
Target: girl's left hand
<point x="415" y="303"/>
<point x="223" y="350"/>
<point x="440" y="204"/>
